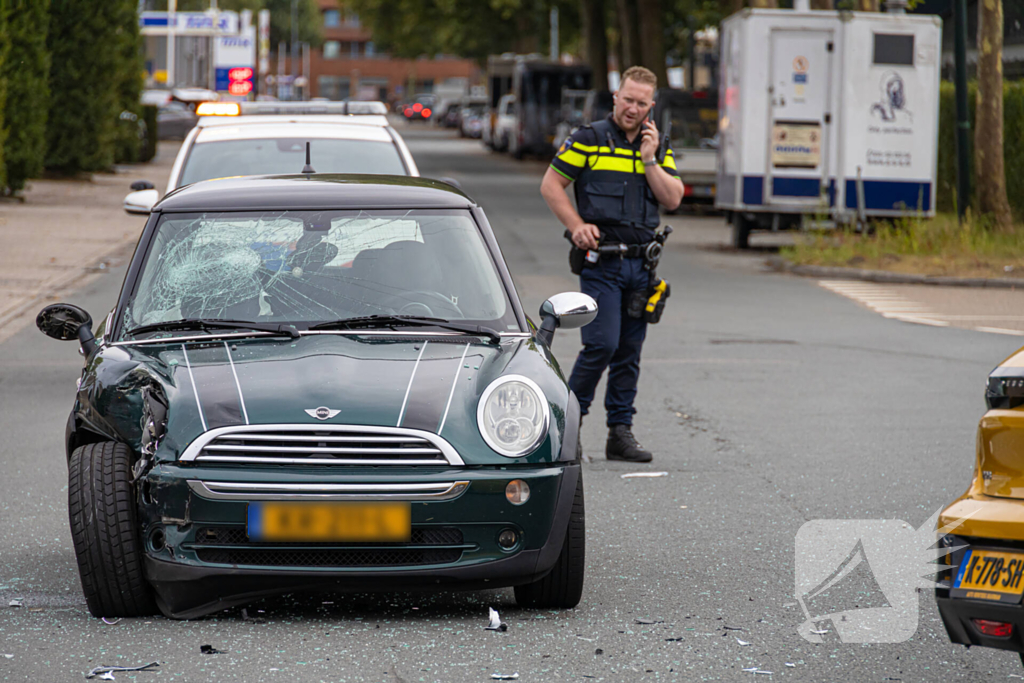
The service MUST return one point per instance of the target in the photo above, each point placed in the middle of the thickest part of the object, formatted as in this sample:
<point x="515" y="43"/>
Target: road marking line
<point x="885" y="302"/>
<point x="1000" y="330"/>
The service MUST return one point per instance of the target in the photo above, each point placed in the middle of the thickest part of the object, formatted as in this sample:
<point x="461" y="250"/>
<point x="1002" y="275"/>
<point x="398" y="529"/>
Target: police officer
<point x="618" y="185"/>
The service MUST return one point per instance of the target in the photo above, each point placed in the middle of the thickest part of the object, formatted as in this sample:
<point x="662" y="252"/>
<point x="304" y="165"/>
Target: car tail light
<point x="426" y="112"/>
<point x="996" y="629"/>
<point x="408" y="113"/>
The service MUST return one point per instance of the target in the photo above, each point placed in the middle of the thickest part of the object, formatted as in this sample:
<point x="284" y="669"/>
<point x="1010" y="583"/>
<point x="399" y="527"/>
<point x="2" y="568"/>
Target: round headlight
<point x="513" y="416"/>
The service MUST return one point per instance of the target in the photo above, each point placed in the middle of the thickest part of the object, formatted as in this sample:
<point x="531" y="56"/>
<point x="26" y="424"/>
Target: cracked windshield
<point x="306" y="267"/>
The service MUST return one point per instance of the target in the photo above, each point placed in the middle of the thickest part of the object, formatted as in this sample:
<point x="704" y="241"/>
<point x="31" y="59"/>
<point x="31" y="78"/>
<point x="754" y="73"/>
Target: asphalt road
<point x="768" y="400"/>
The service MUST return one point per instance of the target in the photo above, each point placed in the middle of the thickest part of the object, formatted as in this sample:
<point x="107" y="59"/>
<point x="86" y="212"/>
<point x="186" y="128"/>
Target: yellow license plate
<point x="329" y="522"/>
<point x="990" y="575"/>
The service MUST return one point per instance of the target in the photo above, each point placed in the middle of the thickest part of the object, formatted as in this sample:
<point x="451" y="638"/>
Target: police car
<point x="258" y="138"/>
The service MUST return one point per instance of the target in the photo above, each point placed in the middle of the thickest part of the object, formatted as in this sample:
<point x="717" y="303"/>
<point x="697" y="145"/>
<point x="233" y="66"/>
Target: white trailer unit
<point x="826" y="114"/>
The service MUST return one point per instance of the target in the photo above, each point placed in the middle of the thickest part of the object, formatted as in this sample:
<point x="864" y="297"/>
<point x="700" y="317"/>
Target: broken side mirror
<point x="141" y="202"/>
<point x="567" y="310"/>
<point x="65" y="322"/>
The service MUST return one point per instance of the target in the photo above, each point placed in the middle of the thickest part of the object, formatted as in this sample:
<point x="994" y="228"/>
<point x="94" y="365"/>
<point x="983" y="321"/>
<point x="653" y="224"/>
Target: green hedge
<point x="27" y="72"/>
<point x="1013" y="145"/>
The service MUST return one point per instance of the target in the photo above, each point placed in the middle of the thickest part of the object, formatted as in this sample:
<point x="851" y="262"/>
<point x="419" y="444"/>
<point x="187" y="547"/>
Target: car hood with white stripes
<point x="429" y="383"/>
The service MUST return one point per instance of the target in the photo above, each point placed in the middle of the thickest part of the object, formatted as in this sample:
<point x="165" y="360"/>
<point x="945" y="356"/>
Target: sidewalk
<point x="67" y="232"/>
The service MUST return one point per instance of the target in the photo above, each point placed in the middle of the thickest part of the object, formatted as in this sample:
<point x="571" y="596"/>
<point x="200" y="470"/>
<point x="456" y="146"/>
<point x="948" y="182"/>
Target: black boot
<point x="622" y="445"/>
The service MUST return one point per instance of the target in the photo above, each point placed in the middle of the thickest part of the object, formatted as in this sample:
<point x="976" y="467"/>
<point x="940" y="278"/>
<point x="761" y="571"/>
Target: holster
<point x="657" y="296"/>
<point x="577" y="257"/>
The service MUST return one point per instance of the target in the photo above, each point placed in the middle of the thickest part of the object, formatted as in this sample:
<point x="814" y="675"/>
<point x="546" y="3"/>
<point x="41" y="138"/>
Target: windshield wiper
<point x="210" y="324"/>
<point x="371" y="321"/>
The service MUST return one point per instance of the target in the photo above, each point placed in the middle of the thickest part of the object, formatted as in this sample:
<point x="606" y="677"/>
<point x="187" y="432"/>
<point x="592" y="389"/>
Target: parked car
<point x="320" y="382"/>
<point x="254" y="138"/>
<point x="175" y="120"/>
<point x="979" y="598"/>
<point x="506" y="123"/>
<point x="420" y="109"/>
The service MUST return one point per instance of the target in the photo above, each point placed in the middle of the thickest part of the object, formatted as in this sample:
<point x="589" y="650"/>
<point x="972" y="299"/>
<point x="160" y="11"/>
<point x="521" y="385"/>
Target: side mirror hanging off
<point x="65" y="322"/>
<point x="567" y="310"/>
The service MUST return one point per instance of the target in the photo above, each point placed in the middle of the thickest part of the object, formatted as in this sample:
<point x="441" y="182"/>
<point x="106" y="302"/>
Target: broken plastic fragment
<point x="742" y="642"/>
<point x="109" y="621"/>
<point x="644" y="475"/>
<point x="8" y="656"/>
<point x="103" y="671"/>
<point x="820" y="632"/>
<point x="16" y="602"/>
<point x="209" y="650"/>
<point x="791" y="665"/>
<point x="496" y="624"/>
<point x="648" y="621"/>
<point x="751" y="670"/>
<point x="252" y="620"/>
<point x="505" y="677"/>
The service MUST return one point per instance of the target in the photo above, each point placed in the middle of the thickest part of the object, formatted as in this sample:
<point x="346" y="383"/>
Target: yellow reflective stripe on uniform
<point x="608" y="163"/>
<point x="573" y="158"/>
<point x="586" y="149"/>
<point x="669" y="162"/>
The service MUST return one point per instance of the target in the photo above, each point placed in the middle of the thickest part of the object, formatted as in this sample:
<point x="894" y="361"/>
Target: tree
<point x="869" y="5"/>
<point x="27" y="72"/>
<point x="84" y="78"/>
<point x="988" y="137"/>
<point x="595" y="40"/>
<point x="629" y="39"/>
<point x="3" y="86"/>
<point x="650" y="19"/>
<point x="822" y="4"/>
<point x="473" y="29"/>
<point x="130" y="79"/>
<point x="765" y="4"/>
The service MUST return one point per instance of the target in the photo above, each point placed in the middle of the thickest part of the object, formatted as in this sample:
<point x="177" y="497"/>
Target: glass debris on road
<point x="643" y="475"/>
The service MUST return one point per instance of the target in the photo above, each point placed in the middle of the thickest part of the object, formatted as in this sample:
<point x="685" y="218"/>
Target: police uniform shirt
<point x="584" y="151"/>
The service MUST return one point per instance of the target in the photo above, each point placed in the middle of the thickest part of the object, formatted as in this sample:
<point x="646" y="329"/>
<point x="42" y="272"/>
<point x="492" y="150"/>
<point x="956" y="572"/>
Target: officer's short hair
<point x="641" y="75"/>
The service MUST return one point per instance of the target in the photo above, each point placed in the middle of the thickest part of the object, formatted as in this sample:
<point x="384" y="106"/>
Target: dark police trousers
<point x="613" y="340"/>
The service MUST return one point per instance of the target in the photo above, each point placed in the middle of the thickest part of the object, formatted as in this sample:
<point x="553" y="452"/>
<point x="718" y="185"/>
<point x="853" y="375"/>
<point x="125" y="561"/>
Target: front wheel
<point x="104" y="528"/>
<point x="562" y="588"/>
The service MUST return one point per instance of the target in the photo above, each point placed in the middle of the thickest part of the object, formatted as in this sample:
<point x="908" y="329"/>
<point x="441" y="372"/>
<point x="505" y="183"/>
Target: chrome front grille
<point x="320" y="445"/>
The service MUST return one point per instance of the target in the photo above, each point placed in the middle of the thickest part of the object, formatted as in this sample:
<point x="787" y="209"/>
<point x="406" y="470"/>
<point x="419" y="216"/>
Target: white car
<point x="267" y="138"/>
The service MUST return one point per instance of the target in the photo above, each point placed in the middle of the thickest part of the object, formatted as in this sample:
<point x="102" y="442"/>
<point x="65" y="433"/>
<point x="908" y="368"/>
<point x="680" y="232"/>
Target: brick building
<point x="348" y="64"/>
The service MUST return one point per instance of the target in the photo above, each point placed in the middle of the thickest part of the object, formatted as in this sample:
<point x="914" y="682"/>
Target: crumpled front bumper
<point x="192" y="578"/>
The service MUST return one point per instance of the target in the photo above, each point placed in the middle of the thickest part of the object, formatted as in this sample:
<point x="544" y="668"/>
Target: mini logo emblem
<point x="322" y="413"/>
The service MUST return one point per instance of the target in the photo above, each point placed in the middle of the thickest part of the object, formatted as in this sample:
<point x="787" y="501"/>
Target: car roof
<point x="313" y="192"/>
<point x="306" y="128"/>
<point x="365" y="120"/>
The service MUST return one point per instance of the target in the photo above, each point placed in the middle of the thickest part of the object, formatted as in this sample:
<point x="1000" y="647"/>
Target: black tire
<point x="741" y="231"/>
<point x="104" y="527"/>
<point x="563" y="587"/>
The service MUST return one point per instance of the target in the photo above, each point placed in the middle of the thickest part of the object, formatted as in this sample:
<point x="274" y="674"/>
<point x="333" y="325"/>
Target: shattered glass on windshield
<point x="316" y="266"/>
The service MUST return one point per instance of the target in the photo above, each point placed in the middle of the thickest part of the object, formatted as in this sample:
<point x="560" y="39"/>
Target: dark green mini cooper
<point x="320" y="382"/>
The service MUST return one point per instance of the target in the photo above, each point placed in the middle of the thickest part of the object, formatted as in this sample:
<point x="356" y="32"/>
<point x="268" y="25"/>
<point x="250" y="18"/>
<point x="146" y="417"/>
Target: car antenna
<point x="307" y="168"/>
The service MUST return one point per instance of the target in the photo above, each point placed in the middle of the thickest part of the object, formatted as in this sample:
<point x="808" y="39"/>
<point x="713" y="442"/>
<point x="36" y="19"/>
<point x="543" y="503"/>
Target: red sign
<point x="240" y="87"/>
<point x="242" y="73"/>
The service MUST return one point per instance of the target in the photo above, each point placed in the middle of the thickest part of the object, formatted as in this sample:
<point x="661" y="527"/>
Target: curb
<point x="836" y="273"/>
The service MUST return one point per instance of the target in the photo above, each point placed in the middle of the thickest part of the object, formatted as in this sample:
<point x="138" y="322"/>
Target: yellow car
<point x="980" y="597"/>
